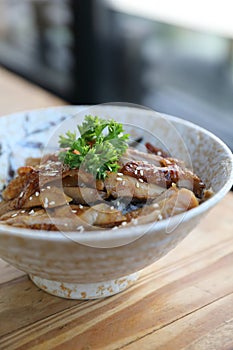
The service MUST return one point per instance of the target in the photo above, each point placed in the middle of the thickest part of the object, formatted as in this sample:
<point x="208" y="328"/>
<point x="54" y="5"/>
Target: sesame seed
<point x="124" y="223"/>
<point x="119" y="179"/>
<point x="31" y="212"/>
<point x="117" y="203"/>
<point x="21" y="194"/>
<point x="43" y="189"/>
<point x="14" y="215"/>
<point x="155" y="205"/>
<point x="140" y="180"/>
<point x="37" y="194"/>
<point x="30" y="198"/>
<point x="141" y="172"/>
<point x="52" y="203"/>
<point x="23" y="211"/>
<point x="137" y="184"/>
<point x="112" y="207"/>
<point x="46" y="202"/>
<point x="135" y="172"/>
<point x="123" y="183"/>
<point x="115" y="228"/>
<point x="48" y="187"/>
<point x="159" y="153"/>
<point x="66" y="224"/>
<point x="80" y="206"/>
<point x="160" y="217"/>
<point x="120" y="174"/>
<point x="80" y="228"/>
<point x="135" y="221"/>
<point x="74" y="211"/>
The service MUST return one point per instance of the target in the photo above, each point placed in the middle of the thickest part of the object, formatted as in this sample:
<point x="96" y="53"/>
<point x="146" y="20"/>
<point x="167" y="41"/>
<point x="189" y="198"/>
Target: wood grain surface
<point x="17" y="94"/>
<point x="183" y="301"/>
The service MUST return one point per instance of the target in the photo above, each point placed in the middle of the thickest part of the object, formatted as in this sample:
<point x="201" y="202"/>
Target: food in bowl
<point x="99" y="181"/>
<point x="95" y="264"/>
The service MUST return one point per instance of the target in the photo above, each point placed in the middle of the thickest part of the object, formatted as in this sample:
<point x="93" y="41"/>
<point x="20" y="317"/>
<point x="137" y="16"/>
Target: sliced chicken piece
<point x="164" y="176"/>
<point x="11" y="214"/>
<point x="85" y="195"/>
<point x="172" y="202"/>
<point x="158" y="160"/>
<point x="7" y="206"/>
<point x="53" y="197"/>
<point x="33" y="219"/>
<point x="32" y="201"/>
<point x="77" y="177"/>
<point x="128" y="186"/>
<point x="148" y="173"/>
<point x="17" y="192"/>
<point x="155" y="150"/>
<point x="102" y="215"/>
<point x="132" y="154"/>
<point x="180" y="202"/>
<point x="26" y="177"/>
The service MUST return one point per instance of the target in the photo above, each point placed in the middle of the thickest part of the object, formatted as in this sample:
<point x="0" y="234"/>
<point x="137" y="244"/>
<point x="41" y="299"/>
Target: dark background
<point x="88" y="52"/>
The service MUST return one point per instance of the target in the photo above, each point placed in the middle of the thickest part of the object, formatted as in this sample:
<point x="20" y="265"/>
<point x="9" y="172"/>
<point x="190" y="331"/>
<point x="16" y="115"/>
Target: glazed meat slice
<point x="155" y="150"/>
<point x="78" y="177"/>
<point x="101" y="215"/>
<point x="25" y="190"/>
<point x="164" y="176"/>
<point x="119" y="185"/>
<point x="26" y="183"/>
<point x="85" y="195"/>
<point x="6" y="206"/>
<point x="132" y="154"/>
<point x="181" y="201"/>
<point x="172" y="202"/>
<point x="158" y="160"/>
<point x="20" y="189"/>
<point x="55" y="171"/>
<point x="34" y="219"/>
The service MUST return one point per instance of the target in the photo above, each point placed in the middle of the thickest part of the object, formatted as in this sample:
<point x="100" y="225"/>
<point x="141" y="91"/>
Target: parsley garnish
<point x="98" y="148"/>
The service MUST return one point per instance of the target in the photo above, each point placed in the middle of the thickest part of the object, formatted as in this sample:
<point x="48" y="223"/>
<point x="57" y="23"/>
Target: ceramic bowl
<point x="85" y="265"/>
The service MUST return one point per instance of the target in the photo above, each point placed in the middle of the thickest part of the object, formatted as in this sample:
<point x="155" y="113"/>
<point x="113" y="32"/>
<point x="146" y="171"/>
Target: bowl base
<point x="85" y="291"/>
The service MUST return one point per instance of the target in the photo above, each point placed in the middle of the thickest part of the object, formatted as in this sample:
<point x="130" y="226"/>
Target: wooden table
<point x="16" y="95"/>
<point x="183" y="301"/>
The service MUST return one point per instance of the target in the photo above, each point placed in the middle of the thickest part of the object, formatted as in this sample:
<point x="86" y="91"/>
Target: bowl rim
<point x="134" y="230"/>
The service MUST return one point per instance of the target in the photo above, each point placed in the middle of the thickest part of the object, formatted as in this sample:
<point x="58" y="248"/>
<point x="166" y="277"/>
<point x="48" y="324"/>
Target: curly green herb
<point x="99" y="147"/>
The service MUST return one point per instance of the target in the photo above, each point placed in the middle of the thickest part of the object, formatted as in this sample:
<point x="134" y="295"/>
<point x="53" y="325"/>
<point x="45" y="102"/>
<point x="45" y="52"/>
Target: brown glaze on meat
<point x="85" y="195"/>
<point x="128" y="186"/>
<point x="164" y="176"/>
<point x="79" y="177"/>
<point x="134" y="155"/>
<point x="155" y="150"/>
<point x="71" y="195"/>
<point x="157" y="160"/>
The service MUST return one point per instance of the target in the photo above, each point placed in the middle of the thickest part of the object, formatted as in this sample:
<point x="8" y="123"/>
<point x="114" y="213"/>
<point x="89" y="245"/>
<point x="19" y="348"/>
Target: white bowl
<point x="84" y="265"/>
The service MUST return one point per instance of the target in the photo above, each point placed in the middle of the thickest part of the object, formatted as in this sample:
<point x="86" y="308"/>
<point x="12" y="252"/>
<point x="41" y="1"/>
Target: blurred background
<point x="173" y="56"/>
